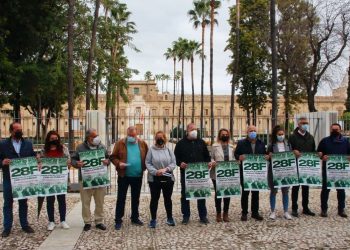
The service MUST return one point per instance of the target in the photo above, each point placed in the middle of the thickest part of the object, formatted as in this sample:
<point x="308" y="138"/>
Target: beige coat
<point x="217" y="154"/>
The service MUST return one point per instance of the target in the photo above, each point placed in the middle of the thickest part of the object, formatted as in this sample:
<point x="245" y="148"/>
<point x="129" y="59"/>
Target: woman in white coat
<point x="222" y="150"/>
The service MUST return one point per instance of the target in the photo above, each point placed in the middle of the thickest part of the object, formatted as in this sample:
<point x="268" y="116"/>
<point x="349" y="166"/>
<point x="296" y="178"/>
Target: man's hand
<point x="212" y="164"/>
<point x="267" y="157"/>
<point x="325" y="158"/>
<point x="241" y="157"/>
<point x="6" y="161"/>
<point x="122" y="165"/>
<point x="297" y="153"/>
<point x="80" y="164"/>
<point x="105" y="162"/>
<point x="183" y="165"/>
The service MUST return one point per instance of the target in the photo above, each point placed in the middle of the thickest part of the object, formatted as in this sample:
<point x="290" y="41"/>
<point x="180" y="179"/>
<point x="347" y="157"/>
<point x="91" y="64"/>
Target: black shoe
<point x="308" y="212"/>
<point x="324" y="213"/>
<point x="28" y="230"/>
<point x="137" y="222"/>
<point x="185" y="220"/>
<point x="5" y="233"/>
<point x="244" y="217"/>
<point x="204" y="221"/>
<point x="118" y="226"/>
<point x="101" y="226"/>
<point x="87" y="227"/>
<point x="257" y="217"/>
<point x="342" y="214"/>
<point x="295" y="213"/>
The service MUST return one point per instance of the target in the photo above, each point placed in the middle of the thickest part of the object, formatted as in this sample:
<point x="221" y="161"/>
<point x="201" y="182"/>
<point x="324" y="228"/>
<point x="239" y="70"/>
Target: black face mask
<point x="54" y="143"/>
<point x="335" y="133"/>
<point x="18" y="135"/>
<point x="224" y="138"/>
<point x="160" y="141"/>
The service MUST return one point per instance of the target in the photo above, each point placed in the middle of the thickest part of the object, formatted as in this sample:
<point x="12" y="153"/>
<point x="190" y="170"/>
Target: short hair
<point x="188" y="125"/>
<point x="302" y="118"/>
<point x="131" y="128"/>
<point x="12" y="124"/>
<point x="336" y="124"/>
<point x="163" y="134"/>
<point x="89" y="132"/>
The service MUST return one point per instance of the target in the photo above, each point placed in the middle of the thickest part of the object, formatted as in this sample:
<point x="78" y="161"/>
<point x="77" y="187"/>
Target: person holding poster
<point x="128" y="156"/>
<point x="160" y="163"/>
<point x="278" y="144"/>
<point x="92" y="142"/>
<point x="191" y="149"/>
<point x="302" y="141"/>
<point x="335" y="144"/>
<point x="14" y="147"/>
<point x="53" y="149"/>
<point x="249" y="145"/>
<point x="222" y="150"/>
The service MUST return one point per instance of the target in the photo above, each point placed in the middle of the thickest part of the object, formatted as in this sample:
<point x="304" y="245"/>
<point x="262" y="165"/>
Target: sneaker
<point x="170" y="222"/>
<point x="118" y="226"/>
<point x="287" y="216"/>
<point x="185" y="220"/>
<point x="152" y="224"/>
<point x="51" y="226"/>
<point x="272" y="216"/>
<point x="64" y="225"/>
<point x="137" y="222"/>
<point x="295" y="213"/>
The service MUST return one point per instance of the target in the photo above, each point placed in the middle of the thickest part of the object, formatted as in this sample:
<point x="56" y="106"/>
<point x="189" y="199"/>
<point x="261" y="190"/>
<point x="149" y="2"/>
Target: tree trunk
<point x="202" y="83"/>
<point x="273" y="32"/>
<point x="172" y="120"/>
<point x="192" y="78"/>
<point x="113" y="102"/>
<point x="286" y="104"/>
<point x="248" y="117"/>
<point x="212" y="3"/>
<point x="117" y="116"/>
<point x="17" y="107"/>
<point x="71" y="4"/>
<point x="347" y="104"/>
<point x="183" y="93"/>
<point x="311" y="101"/>
<point x="91" y="55"/>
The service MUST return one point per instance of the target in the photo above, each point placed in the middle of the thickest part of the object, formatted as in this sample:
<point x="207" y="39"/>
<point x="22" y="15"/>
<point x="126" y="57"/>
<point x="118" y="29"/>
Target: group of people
<point x="131" y="156"/>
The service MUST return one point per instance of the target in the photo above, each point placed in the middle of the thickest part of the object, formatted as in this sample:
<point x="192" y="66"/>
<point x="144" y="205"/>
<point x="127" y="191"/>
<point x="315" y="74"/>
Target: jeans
<point x="8" y="207"/>
<point x="156" y="187"/>
<point x="219" y="200"/>
<point x="123" y="184"/>
<point x="50" y="206"/>
<point x="285" y="198"/>
<point x="185" y="204"/>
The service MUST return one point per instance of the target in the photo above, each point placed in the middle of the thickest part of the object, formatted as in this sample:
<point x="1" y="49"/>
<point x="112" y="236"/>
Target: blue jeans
<point x="285" y="198"/>
<point x="8" y="207"/>
<point x="185" y="204"/>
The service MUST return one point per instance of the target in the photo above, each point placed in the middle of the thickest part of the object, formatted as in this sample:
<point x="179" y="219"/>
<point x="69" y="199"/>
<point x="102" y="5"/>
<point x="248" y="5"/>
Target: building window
<point x="166" y="112"/>
<point x="166" y="97"/>
<point x="138" y="110"/>
<point x="206" y="111"/>
<point x="136" y="91"/>
<point x="259" y="112"/>
<point x="219" y="112"/>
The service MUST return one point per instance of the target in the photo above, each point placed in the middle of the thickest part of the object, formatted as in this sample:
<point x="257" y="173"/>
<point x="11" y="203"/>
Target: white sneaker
<point x="64" y="225"/>
<point x="51" y="226"/>
<point x="287" y="216"/>
<point x="272" y="216"/>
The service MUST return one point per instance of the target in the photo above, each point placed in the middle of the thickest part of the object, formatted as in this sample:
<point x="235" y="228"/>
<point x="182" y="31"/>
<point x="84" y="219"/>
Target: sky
<point x="160" y="22"/>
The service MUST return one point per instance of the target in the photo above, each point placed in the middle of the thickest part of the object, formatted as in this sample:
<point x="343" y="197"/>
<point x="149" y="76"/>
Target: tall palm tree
<point x="167" y="78"/>
<point x="192" y="50"/>
<point x="273" y="32"/>
<point x="148" y="76"/>
<point x="200" y="16"/>
<point x="213" y="5"/>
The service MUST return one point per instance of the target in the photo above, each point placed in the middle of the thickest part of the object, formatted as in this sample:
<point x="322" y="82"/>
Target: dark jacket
<point x="332" y="145"/>
<point x="244" y="147"/>
<point x="8" y="151"/>
<point x="302" y="143"/>
<point x="190" y="151"/>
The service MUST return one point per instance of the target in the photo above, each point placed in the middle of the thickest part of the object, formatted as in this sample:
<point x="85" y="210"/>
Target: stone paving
<point x="301" y="233"/>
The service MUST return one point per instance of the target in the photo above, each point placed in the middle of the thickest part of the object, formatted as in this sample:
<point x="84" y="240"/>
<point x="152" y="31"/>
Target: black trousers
<point x="167" y="188"/>
<point x="50" y="206"/>
<point x="219" y="200"/>
<point x="245" y="198"/>
<point x="305" y="197"/>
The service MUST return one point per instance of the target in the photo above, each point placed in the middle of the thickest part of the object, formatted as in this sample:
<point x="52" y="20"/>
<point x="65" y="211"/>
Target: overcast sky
<point x="160" y="22"/>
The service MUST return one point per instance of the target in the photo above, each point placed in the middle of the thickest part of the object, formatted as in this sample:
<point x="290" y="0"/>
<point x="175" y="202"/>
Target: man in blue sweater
<point x="14" y="147"/>
<point x="333" y="144"/>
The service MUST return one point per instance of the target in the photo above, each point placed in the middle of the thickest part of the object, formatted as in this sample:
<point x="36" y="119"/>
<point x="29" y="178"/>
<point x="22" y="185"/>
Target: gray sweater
<point x="158" y="158"/>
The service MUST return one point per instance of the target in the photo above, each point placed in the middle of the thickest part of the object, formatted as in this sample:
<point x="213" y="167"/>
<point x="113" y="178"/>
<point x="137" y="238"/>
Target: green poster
<point x="197" y="181"/>
<point x="54" y="176"/>
<point x="255" y="173"/>
<point x="94" y="173"/>
<point x="338" y="172"/>
<point x="227" y="179"/>
<point x="24" y="176"/>
<point x="310" y="172"/>
<point x="284" y="170"/>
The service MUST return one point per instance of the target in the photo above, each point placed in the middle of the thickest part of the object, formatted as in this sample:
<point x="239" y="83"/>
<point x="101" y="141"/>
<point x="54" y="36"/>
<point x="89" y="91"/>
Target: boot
<point x="225" y="217"/>
<point x="218" y="217"/>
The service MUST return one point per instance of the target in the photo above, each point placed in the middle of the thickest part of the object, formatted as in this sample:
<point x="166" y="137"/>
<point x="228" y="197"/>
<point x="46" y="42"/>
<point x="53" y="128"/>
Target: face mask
<point x="193" y="134"/>
<point x="18" y="135"/>
<point x="224" y="138"/>
<point x="252" y="135"/>
<point x="96" y="141"/>
<point x="280" y="138"/>
<point x="305" y="127"/>
<point x="160" y="141"/>
<point x="335" y="133"/>
<point x="54" y="142"/>
<point x="131" y="139"/>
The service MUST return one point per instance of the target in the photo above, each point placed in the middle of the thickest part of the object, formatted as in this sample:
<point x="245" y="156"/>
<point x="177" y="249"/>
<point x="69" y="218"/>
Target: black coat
<point x="244" y="147"/>
<point x="302" y="143"/>
<point x="190" y="151"/>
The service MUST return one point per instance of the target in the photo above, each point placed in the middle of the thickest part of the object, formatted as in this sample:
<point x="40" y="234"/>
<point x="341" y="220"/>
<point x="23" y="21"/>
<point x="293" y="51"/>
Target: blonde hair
<point x="163" y="135"/>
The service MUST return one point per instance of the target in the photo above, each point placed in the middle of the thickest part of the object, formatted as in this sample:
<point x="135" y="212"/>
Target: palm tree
<point x="148" y="76"/>
<point x="213" y="5"/>
<point x="192" y="50"/>
<point x="158" y="77"/>
<point x="167" y="78"/>
<point x="200" y="16"/>
<point x="177" y="79"/>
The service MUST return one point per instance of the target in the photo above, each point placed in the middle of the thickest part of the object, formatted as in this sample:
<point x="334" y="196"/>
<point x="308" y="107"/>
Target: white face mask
<point x="193" y="134"/>
<point x="96" y="141"/>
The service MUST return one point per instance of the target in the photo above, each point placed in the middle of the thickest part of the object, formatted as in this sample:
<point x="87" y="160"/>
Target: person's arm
<point x="172" y="165"/>
<point x="149" y="164"/>
<point x="75" y="158"/>
<point x="114" y="157"/>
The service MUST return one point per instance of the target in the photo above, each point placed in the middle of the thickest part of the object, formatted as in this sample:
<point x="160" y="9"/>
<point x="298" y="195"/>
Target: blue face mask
<point x="305" y="127"/>
<point x="252" y="135"/>
<point x="280" y="138"/>
<point x="131" y="139"/>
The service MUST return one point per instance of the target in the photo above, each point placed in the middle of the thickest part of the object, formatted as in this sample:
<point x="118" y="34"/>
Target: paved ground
<point x="302" y="233"/>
